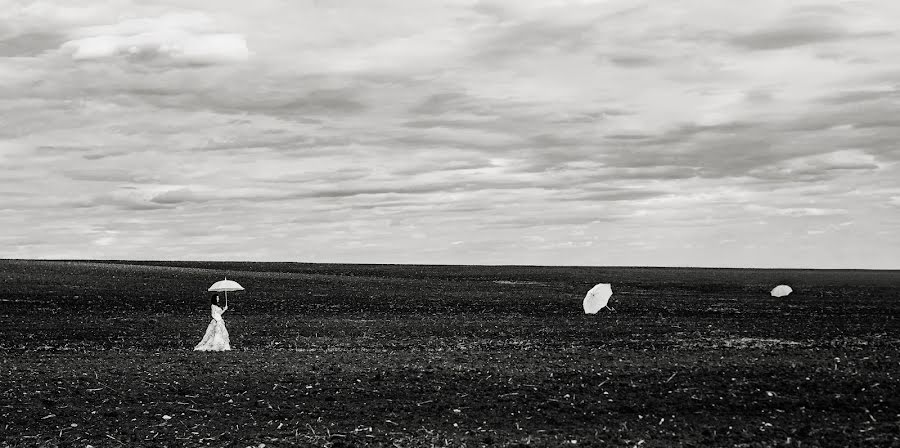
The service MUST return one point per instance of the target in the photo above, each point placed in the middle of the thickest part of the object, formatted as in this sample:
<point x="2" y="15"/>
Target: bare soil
<point x="99" y="353"/>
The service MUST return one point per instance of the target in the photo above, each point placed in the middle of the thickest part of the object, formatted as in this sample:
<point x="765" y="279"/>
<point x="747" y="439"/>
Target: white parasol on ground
<point x="597" y="298"/>
<point x="225" y="286"/>
<point x="781" y="291"/>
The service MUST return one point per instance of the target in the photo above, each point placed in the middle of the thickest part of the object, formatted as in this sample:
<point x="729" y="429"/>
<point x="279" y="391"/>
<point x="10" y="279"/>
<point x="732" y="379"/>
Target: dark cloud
<point x="682" y="134"/>
<point x="504" y="132"/>
<point x="472" y="162"/>
<point x="630" y="60"/>
<point x="860" y="96"/>
<point x="106" y="175"/>
<point x="461" y="123"/>
<point x="442" y="103"/>
<point x="868" y="112"/>
<point x="661" y="172"/>
<point x="60" y="149"/>
<point x="98" y="155"/>
<point x="803" y="26"/>
<point x="747" y="148"/>
<point x="843" y="166"/>
<point x="328" y="101"/>
<point x="512" y="119"/>
<point x="771" y="174"/>
<point x="629" y="136"/>
<point x="531" y="221"/>
<point x="298" y="145"/>
<point x="808" y="25"/>
<point x="414" y="187"/>
<point x="615" y="195"/>
<point x="179" y="196"/>
<point x="686" y="151"/>
<point x="547" y="140"/>
<point x="732" y="149"/>
<point x="233" y="91"/>
<point x="122" y="202"/>
<point x="409" y="209"/>
<point x="365" y="191"/>
<point x="785" y="37"/>
<point x="311" y="178"/>
<point x="419" y="141"/>
<point x="580" y="118"/>
<point x="525" y="39"/>
<point x="29" y="44"/>
<point x="310" y="106"/>
<point x="492" y="9"/>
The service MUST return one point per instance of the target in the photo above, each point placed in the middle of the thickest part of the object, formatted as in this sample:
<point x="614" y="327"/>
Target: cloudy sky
<point x="688" y="133"/>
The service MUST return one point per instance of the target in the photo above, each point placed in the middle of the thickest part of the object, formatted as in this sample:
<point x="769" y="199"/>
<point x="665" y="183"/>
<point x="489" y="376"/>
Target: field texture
<point x="99" y="353"/>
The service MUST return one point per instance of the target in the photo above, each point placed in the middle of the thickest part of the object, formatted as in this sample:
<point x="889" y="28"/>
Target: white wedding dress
<point x="216" y="337"/>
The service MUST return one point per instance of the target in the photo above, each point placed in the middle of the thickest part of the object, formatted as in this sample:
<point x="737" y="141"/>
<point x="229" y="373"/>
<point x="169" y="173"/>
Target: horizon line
<point x="144" y="261"/>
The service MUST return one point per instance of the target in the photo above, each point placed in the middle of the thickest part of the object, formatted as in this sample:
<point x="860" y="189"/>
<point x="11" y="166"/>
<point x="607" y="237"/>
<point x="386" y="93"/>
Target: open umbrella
<point x="781" y="291"/>
<point x="597" y="298"/>
<point x="225" y="286"/>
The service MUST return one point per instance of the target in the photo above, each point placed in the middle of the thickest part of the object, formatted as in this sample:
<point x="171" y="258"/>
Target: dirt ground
<point x="99" y="354"/>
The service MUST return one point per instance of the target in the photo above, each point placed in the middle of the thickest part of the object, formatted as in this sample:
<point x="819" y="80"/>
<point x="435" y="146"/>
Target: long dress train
<point x="216" y="337"/>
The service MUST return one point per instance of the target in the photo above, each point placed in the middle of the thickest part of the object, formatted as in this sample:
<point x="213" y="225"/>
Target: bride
<point x="216" y="337"/>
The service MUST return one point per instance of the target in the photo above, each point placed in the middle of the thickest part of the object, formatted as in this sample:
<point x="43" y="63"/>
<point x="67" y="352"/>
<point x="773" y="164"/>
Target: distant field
<point x="387" y="355"/>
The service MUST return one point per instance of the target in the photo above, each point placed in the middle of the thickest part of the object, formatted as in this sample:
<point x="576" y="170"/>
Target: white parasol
<point x="781" y="291"/>
<point x="597" y="298"/>
<point x="225" y="286"/>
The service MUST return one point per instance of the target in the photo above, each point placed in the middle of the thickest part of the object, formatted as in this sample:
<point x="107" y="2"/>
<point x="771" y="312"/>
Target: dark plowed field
<point x="99" y="353"/>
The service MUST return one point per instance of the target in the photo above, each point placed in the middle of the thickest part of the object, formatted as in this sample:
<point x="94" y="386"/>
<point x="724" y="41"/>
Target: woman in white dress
<point x="216" y="337"/>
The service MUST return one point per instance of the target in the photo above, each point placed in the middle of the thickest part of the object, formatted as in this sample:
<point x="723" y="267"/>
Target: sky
<point x="545" y="132"/>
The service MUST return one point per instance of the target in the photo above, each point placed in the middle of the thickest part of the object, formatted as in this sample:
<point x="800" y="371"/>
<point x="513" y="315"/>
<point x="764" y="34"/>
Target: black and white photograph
<point x="449" y="223"/>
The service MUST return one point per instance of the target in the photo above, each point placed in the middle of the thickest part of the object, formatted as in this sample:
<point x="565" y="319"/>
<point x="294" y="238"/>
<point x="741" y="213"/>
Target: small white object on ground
<point x="597" y="298"/>
<point x="781" y="291"/>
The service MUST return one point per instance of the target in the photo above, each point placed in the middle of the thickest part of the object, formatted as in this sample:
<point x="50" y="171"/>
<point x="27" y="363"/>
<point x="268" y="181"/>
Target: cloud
<point x="450" y="103"/>
<point x="632" y="60"/>
<point x="658" y="172"/>
<point x="109" y="175"/>
<point x="536" y="36"/>
<point x="29" y="44"/>
<point x="166" y="47"/>
<point x="339" y="130"/>
<point x="123" y="199"/>
<point x="178" y="196"/>
<point x="785" y="36"/>
<point x="837" y="160"/>
<point x="795" y="212"/>
<point x="808" y="26"/>
<point x="288" y="103"/>
<point x="170" y="39"/>
<point x="617" y="195"/>
<point x="86" y="152"/>
<point x="536" y="222"/>
<point x="878" y="93"/>
<point x="428" y="184"/>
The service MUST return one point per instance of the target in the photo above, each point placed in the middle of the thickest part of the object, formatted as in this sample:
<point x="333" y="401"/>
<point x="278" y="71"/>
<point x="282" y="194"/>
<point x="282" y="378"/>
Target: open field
<point x="343" y="355"/>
